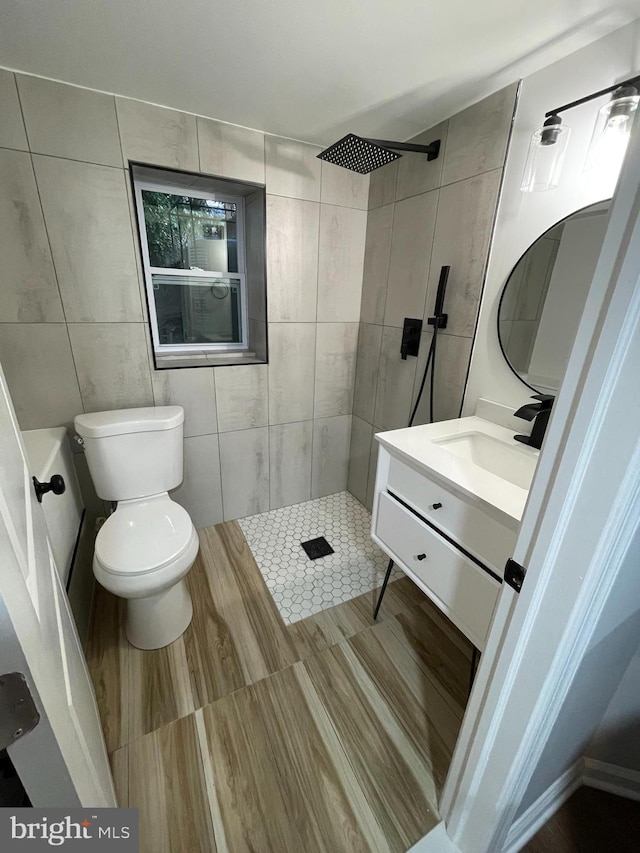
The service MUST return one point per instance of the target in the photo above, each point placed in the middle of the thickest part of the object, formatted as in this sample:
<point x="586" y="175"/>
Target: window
<point x="192" y="234"/>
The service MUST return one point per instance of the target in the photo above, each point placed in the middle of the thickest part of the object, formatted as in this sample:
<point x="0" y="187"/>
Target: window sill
<point x="166" y="361"/>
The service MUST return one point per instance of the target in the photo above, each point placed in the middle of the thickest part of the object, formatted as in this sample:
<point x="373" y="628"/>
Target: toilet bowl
<point x="142" y="553"/>
<point x="144" y="550"/>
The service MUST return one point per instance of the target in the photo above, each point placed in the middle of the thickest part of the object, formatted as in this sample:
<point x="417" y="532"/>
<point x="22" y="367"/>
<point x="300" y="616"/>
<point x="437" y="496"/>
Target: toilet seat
<point x="144" y="536"/>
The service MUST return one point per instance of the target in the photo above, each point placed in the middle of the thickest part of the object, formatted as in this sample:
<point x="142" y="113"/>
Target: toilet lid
<point x="143" y="535"/>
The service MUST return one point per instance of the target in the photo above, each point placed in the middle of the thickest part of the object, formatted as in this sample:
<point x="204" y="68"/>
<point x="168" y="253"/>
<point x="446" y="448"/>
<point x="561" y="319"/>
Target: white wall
<point x="601" y="715"/>
<point x="523" y="217"/>
<point x="617" y="740"/>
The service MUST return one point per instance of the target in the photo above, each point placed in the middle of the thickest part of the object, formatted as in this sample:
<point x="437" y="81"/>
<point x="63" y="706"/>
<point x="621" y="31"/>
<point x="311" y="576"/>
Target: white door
<point x="63" y="760"/>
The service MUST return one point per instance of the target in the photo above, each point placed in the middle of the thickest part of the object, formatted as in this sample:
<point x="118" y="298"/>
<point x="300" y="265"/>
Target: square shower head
<point x="358" y="154"/>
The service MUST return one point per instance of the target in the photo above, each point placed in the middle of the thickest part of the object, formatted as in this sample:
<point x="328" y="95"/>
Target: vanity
<point x="448" y="501"/>
<point x="449" y="496"/>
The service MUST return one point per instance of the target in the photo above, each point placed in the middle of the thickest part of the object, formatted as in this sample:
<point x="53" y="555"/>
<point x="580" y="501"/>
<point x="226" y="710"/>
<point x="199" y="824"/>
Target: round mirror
<point x="543" y="299"/>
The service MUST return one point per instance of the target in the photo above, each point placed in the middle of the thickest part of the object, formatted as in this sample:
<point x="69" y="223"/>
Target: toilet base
<point x="158" y="620"/>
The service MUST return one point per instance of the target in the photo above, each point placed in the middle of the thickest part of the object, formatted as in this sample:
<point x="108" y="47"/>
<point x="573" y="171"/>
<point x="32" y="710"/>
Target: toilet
<point x="144" y="549"/>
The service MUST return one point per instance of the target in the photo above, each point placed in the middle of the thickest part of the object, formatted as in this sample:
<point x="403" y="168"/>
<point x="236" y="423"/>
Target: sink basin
<point x="476" y="457"/>
<point x="514" y="464"/>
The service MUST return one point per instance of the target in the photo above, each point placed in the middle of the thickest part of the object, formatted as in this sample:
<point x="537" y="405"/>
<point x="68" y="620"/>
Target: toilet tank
<point x="133" y="453"/>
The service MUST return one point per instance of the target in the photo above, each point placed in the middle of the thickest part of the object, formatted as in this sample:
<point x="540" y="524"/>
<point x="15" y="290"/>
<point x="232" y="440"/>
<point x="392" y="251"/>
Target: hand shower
<point x="438" y="321"/>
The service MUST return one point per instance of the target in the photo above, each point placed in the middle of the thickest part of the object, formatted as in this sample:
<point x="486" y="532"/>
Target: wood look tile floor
<point x="331" y="734"/>
<point x="591" y="821"/>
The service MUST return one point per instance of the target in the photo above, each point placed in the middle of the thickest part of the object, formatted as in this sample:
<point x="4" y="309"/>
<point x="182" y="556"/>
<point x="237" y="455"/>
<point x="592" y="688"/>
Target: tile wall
<point x="73" y="334"/>
<point x="422" y="216"/>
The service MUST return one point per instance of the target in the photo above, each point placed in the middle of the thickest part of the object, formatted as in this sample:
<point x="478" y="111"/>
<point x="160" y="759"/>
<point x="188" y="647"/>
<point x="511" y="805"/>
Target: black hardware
<point x="439" y="320"/>
<point x="436" y="506"/>
<point x="363" y="155"/>
<point x="18" y="712"/>
<point x="630" y="82"/>
<point x="421" y="557"/>
<point x="316" y="548"/>
<point x="444" y="536"/>
<point x="432" y="150"/>
<point x="383" y="589"/>
<point x="541" y="411"/>
<point x="514" y="574"/>
<point x="56" y="485"/>
<point x="410" y="337"/>
<point x="551" y="130"/>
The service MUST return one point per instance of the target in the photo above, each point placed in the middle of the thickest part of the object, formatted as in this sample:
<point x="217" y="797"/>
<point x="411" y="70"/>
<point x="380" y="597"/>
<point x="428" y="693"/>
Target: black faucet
<point x="541" y="411"/>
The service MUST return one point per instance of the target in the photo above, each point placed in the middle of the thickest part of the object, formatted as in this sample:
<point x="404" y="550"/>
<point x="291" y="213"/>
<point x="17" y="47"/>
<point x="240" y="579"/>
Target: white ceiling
<point x="308" y="69"/>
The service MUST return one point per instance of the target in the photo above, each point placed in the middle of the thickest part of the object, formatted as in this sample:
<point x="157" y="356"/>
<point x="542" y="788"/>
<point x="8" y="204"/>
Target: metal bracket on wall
<point x="18" y="713"/>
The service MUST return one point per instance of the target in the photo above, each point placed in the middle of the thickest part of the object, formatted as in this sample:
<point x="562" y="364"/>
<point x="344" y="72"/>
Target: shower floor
<point x="300" y="586"/>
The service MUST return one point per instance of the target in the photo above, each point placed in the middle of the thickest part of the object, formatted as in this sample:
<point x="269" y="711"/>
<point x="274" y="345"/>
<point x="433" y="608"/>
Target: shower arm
<point x="431" y="150"/>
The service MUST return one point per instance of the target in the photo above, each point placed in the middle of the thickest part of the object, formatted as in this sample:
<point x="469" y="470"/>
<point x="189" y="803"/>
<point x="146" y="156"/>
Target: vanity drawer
<point x="479" y="534"/>
<point x="463" y="591"/>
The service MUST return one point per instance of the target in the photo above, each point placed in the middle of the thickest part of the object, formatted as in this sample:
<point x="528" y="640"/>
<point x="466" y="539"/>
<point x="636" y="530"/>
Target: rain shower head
<point x="365" y="155"/>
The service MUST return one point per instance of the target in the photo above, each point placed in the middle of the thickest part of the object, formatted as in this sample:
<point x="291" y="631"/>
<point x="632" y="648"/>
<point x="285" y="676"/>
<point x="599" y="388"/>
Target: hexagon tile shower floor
<point x="300" y="586"/>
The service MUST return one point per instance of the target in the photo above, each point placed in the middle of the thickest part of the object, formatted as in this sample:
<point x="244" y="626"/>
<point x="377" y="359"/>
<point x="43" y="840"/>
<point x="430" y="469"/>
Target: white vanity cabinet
<point x="452" y="546"/>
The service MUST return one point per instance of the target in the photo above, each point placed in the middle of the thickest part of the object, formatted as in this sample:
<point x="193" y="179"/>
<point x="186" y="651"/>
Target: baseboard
<point x="526" y="826"/>
<point x="435" y="841"/>
<point x="611" y="778"/>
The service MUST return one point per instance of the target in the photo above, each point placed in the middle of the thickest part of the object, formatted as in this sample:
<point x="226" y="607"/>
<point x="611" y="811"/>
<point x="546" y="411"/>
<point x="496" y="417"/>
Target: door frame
<point x="574" y="548"/>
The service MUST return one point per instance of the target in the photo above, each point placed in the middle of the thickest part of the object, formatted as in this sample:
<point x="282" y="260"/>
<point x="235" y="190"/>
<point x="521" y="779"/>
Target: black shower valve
<point x="410" y="337"/>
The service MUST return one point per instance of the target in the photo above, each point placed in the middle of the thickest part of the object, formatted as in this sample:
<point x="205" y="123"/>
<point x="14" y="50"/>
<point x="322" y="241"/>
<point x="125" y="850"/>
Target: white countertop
<point x="416" y="445"/>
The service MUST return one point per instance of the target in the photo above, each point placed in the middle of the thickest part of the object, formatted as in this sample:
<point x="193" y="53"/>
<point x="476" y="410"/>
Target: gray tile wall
<point x="73" y="333"/>
<point x="423" y="215"/>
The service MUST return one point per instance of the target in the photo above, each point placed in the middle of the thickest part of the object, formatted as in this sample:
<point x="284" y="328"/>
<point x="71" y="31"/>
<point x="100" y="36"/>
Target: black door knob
<point x="436" y="506"/>
<point x="421" y="557"/>
<point x="56" y="485"/>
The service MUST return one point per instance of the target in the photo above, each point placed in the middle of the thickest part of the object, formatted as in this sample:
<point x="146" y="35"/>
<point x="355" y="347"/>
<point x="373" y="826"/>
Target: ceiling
<point x="308" y="70"/>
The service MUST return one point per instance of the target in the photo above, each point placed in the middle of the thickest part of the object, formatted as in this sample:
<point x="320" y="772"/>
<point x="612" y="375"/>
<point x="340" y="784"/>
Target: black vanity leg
<point x="383" y="590"/>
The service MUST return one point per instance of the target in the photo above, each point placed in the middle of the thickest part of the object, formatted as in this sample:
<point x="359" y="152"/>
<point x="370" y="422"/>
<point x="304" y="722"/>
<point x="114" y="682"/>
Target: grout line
<point x="120" y="168"/>
<point x="198" y="145"/>
<point x="219" y="453"/>
<point x="24" y="121"/>
<point x="267" y="426"/>
<point x="53" y="263"/>
<point x="313" y="429"/>
<point x="215" y="397"/>
<point x="125" y="164"/>
<point x="317" y="201"/>
<point x="115" y="106"/>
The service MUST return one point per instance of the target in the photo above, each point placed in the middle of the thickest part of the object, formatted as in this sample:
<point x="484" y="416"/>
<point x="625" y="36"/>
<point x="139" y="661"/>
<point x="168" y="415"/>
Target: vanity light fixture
<point x="612" y="129"/>
<point x="546" y="155"/>
<point x="609" y="141"/>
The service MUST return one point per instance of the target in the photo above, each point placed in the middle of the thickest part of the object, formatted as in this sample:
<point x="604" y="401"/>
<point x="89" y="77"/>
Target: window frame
<point x="179" y="188"/>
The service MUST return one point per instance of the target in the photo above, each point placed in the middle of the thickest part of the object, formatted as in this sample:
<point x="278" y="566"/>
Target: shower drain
<point x="316" y="548"/>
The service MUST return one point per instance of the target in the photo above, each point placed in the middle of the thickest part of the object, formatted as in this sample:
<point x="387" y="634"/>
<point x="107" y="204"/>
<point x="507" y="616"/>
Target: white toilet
<point x="146" y="547"/>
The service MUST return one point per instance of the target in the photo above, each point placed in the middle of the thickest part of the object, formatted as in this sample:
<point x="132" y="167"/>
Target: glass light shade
<point x="545" y="158"/>
<point x="611" y="134"/>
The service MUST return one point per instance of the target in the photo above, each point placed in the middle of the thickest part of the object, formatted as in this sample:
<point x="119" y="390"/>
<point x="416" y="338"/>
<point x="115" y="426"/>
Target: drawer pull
<point x="421" y="557"/>
<point x="436" y="506"/>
